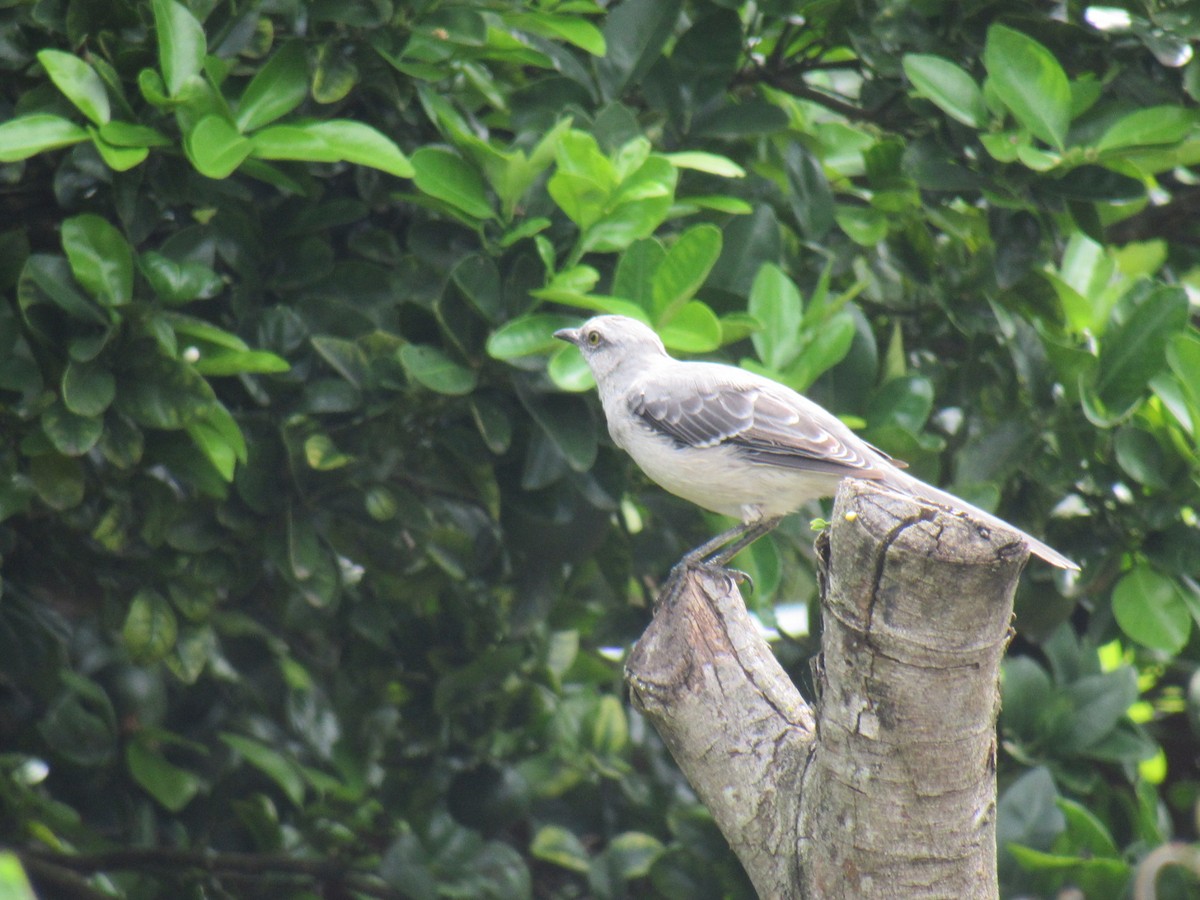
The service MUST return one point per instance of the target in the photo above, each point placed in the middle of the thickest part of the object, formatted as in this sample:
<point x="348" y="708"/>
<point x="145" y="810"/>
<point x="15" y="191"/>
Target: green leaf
<point x="1146" y="127"/>
<point x="569" y="372"/>
<point x="634" y="34"/>
<point x="864" y="225"/>
<point x="150" y="628"/>
<point x="181" y="44"/>
<point x="634" y="278"/>
<point x="358" y="143"/>
<point x="119" y="159"/>
<point x="215" y="147"/>
<point x="128" y="134"/>
<point x="948" y="86"/>
<point x="71" y="434"/>
<point x="694" y="329"/>
<point x="164" y="393"/>
<point x="47" y="278"/>
<point x="26" y="136"/>
<point x="346" y="357"/>
<point x="223" y="362"/>
<point x="179" y="281"/>
<point x="1030" y="82"/>
<point x="334" y="73"/>
<point x="432" y="368"/>
<point x="446" y="176"/>
<point x="709" y="163"/>
<point x="1135" y="350"/>
<point x="275" y="90"/>
<point x="14" y="884"/>
<point x="560" y="847"/>
<point x="58" y="480"/>
<point x="684" y="269"/>
<point x="271" y="763"/>
<point x="776" y="304"/>
<point x="79" y="82"/>
<point x="1141" y="457"/>
<point x="88" y="387"/>
<point x="610" y="728"/>
<point x="570" y="28"/>
<point x="634" y="853"/>
<point x="100" y="258"/>
<point x="166" y="782"/>
<point x="1150" y="609"/>
<point x="528" y="335"/>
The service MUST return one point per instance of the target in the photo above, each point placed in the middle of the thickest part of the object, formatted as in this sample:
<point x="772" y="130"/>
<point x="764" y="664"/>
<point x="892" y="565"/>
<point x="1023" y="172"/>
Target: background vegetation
<point x="318" y="565"/>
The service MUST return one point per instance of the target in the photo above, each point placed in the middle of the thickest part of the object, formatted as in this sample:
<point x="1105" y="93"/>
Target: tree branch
<point x="889" y="790"/>
<point x="732" y="719"/>
<point x="56" y="868"/>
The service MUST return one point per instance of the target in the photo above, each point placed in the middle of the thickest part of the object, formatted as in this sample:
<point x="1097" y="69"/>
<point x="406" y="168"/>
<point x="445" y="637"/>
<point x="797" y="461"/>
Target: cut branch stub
<point x="899" y="797"/>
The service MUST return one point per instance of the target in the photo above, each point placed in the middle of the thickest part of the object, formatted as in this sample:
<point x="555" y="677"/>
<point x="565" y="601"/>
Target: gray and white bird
<point x="737" y="443"/>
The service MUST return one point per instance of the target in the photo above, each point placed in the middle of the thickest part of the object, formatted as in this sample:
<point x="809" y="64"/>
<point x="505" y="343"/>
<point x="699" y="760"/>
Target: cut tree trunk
<point x="885" y="786"/>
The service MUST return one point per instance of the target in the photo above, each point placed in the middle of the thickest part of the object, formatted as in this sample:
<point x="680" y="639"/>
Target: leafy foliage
<point x="313" y="549"/>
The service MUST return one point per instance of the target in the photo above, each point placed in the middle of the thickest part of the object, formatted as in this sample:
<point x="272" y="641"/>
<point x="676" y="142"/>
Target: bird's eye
<point x="593" y="338"/>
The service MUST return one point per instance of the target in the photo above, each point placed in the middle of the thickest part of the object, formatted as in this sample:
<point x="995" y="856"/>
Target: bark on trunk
<point x="886" y="788"/>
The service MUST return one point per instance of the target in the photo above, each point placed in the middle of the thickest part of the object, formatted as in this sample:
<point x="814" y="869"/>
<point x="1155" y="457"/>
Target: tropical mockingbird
<point x="734" y="442"/>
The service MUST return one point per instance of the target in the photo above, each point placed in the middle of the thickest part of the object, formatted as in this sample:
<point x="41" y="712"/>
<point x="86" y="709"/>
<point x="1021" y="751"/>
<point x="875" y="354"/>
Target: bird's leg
<point x="715" y="554"/>
<point x="749" y="534"/>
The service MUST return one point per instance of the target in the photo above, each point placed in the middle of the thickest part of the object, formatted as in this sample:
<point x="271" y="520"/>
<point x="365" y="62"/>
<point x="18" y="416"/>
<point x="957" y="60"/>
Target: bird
<point x="735" y="442"/>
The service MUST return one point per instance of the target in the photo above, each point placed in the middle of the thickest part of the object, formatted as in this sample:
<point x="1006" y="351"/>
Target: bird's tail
<point x="919" y="490"/>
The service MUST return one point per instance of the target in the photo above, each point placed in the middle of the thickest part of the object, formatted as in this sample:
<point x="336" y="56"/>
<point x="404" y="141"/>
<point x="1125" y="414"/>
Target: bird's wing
<point x="765" y="422"/>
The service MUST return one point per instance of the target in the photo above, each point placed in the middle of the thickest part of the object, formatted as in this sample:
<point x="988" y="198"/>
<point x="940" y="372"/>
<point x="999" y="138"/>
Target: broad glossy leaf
<point x="26" y="136"/>
<point x="1155" y="125"/>
<point x="359" y="143"/>
<point x="87" y="387"/>
<point x="173" y="787"/>
<point x="1133" y="351"/>
<point x="164" y="393"/>
<point x="100" y="258"/>
<point x="1141" y="457"/>
<point x="271" y="763"/>
<point x="129" y="134"/>
<point x="948" y="86"/>
<point x="70" y="433"/>
<point x="1030" y="82"/>
<point x="1150" y="609"/>
<point x="223" y="362"/>
<point x="432" y="368"/>
<point x="47" y="278"/>
<point x="346" y="357"/>
<point x="449" y="178"/>
<point x="80" y="724"/>
<point x="275" y="90"/>
<point x="181" y="43"/>
<point x="560" y="847"/>
<point x="634" y="852"/>
<point x="150" y="627"/>
<point x="528" y="335"/>
<point x="694" y="329"/>
<point x="215" y="147"/>
<point x="710" y="163"/>
<point x="684" y="269"/>
<point x="334" y="75"/>
<point x="567" y="423"/>
<point x="569" y="372"/>
<point x="79" y="82"/>
<point x="571" y="28"/>
<point x="634" y="34"/>
<point x="634" y="278"/>
<point x="826" y="349"/>
<point x="776" y="303"/>
<point x="119" y="159"/>
<point x="179" y="281"/>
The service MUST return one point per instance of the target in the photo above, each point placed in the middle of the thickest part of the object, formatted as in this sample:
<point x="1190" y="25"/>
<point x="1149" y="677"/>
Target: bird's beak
<point x="570" y="335"/>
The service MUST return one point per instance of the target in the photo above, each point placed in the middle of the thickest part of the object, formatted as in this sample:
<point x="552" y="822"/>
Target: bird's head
<point x="609" y="343"/>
